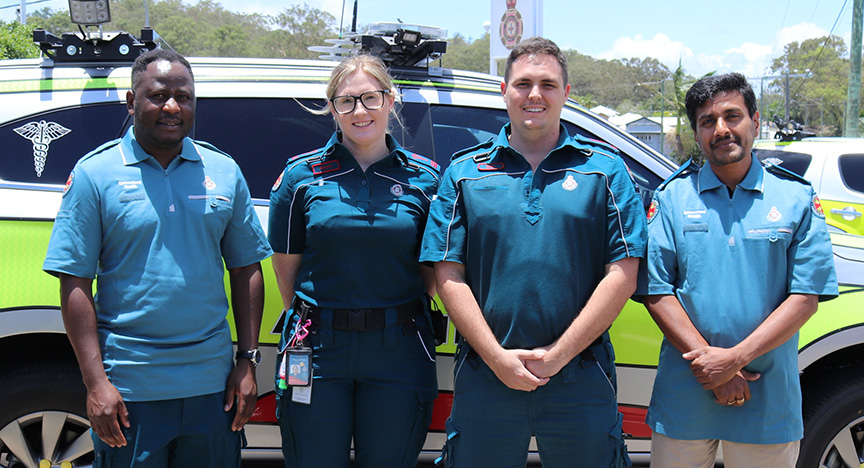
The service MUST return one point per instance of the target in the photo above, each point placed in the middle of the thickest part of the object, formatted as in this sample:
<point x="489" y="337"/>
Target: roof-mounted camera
<point x="397" y="44"/>
<point x="790" y="131"/>
<point x="92" y="45"/>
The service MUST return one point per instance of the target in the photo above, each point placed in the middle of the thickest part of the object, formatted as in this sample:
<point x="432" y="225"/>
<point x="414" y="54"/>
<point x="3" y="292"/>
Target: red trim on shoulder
<point x="424" y="159"/>
<point x="496" y="166"/>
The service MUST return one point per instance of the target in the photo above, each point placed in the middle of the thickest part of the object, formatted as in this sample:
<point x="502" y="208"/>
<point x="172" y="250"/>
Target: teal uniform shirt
<point x="359" y="233"/>
<point x="155" y="240"/>
<point x="534" y="244"/>
<point x="731" y="261"/>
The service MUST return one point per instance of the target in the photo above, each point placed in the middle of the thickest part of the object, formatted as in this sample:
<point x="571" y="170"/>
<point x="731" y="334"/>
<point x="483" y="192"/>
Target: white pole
<point x="23" y="11"/>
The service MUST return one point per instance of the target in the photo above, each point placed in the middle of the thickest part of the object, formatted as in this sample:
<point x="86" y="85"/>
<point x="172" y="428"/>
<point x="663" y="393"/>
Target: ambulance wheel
<point x="43" y="417"/>
<point x="834" y="421"/>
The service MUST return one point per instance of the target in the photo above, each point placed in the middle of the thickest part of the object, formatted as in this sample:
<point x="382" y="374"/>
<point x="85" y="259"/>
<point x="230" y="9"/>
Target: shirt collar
<point x="334" y="145"/>
<point x="754" y="180"/>
<point x="133" y="153"/>
<point x="503" y="141"/>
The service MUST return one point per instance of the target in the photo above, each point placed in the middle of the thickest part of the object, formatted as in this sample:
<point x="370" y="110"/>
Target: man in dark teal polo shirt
<point x="536" y="238"/>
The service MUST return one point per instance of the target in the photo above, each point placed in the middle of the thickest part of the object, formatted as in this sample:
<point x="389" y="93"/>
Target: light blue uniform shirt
<point x="535" y="244"/>
<point x="155" y="240"/>
<point x="731" y="261"/>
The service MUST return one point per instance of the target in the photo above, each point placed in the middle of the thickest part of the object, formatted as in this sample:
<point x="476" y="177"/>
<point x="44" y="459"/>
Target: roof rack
<point x="100" y="49"/>
<point x="397" y="44"/>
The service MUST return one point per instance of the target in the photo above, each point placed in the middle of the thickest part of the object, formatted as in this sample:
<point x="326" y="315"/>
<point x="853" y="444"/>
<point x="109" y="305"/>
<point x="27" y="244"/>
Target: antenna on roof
<point x="398" y="44"/>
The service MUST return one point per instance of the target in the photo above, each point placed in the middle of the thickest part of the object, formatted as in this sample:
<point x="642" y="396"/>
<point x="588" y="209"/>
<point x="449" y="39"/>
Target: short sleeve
<point x="810" y="256"/>
<point x="244" y="242"/>
<point x="76" y="239"/>
<point x="286" y="227"/>
<point x="445" y="235"/>
<point x="625" y="217"/>
<point x="661" y="260"/>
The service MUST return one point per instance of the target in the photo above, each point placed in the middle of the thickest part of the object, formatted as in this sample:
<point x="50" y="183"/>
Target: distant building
<point x="648" y="131"/>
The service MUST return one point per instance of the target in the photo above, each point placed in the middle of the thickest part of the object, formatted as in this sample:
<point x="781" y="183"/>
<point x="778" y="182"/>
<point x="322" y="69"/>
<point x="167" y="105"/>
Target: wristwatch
<point x="253" y="355"/>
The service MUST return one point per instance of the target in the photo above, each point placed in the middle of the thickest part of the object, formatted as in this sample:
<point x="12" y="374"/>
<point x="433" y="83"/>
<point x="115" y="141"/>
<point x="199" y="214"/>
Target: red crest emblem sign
<point x="816" y="206"/>
<point x="652" y="210"/>
<point x="511" y="26"/>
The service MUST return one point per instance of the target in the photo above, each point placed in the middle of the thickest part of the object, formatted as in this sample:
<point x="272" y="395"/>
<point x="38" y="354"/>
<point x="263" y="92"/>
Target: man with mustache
<point x="738" y="259"/>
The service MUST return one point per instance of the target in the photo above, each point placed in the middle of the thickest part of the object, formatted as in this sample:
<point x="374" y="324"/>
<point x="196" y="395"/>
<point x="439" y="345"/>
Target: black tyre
<point x="43" y="417"/>
<point x="834" y="421"/>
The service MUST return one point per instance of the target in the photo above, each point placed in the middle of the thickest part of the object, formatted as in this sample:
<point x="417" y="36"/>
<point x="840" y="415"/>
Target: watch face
<point x="256" y="356"/>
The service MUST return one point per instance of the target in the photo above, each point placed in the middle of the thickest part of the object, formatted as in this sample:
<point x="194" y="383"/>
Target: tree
<point x="466" y="55"/>
<point x="299" y="27"/>
<point x="822" y="95"/>
<point x="16" y="41"/>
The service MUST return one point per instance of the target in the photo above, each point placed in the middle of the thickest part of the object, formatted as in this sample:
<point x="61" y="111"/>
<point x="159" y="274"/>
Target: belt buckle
<point x="359" y="319"/>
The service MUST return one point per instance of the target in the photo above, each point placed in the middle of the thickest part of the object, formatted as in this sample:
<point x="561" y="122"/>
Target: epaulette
<point x="424" y="161"/>
<point x="594" y="144"/>
<point x="211" y="147"/>
<point x="478" y="147"/>
<point x="686" y="168"/>
<point x="104" y="146"/>
<point x="303" y="155"/>
<point x="784" y="173"/>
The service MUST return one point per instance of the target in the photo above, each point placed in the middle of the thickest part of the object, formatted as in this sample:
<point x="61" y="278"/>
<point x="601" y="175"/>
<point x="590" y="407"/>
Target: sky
<point x="738" y="35"/>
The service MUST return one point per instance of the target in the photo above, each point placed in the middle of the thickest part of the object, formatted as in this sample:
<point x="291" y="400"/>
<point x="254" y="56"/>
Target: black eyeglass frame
<point x="358" y="98"/>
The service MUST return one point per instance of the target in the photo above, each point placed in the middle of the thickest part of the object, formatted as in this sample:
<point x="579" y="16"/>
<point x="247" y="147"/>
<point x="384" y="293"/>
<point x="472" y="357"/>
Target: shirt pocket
<point x="781" y="235"/>
<point x="215" y="210"/>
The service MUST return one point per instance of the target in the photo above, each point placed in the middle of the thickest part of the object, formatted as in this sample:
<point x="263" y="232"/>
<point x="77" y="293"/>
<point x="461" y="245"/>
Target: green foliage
<point x="16" y="41"/>
<point x="818" y="101"/>
<point x="465" y="55"/>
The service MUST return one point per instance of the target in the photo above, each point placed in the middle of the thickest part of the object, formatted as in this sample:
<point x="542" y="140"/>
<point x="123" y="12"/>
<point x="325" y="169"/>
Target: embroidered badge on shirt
<point x="652" y="210"/>
<point x="570" y="183"/>
<point x="208" y="183"/>
<point x="68" y="183"/>
<point x="323" y="167"/>
<point x="396" y="190"/>
<point x="774" y="215"/>
<point x="278" y="182"/>
<point x="816" y="206"/>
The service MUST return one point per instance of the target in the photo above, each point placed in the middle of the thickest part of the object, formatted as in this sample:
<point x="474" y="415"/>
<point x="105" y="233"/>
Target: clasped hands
<point x="721" y="370"/>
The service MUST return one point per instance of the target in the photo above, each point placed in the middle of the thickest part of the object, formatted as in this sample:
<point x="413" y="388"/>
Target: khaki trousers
<point x="667" y="452"/>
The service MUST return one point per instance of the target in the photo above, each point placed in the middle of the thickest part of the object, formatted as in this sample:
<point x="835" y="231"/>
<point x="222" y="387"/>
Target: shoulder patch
<point x="816" y="206"/>
<point x="687" y="168"/>
<point x="278" y="182"/>
<point x="653" y="208"/>
<point x="69" y="183"/>
<point x="325" y="167"/>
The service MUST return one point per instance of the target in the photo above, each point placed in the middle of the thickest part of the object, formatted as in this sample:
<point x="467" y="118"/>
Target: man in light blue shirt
<point x="738" y="259"/>
<point x="152" y="217"/>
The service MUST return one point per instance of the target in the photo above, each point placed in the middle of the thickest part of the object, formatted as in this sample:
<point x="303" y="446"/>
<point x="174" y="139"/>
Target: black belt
<point x="366" y="319"/>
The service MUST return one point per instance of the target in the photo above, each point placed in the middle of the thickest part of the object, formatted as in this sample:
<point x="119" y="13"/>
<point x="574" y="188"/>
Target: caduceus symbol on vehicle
<point x="41" y="133"/>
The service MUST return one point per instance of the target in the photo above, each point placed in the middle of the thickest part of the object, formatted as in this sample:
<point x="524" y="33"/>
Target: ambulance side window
<point x="261" y="134"/>
<point x="43" y="148"/>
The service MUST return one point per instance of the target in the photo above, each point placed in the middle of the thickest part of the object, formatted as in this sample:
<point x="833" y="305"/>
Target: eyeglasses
<point x="371" y="100"/>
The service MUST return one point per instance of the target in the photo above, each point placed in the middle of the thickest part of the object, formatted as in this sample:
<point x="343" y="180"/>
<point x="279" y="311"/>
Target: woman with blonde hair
<point x="357" y="357"/>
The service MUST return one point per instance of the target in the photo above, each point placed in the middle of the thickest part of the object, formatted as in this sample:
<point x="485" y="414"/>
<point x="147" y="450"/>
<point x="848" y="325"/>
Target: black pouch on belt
<point x="439" y="322"/>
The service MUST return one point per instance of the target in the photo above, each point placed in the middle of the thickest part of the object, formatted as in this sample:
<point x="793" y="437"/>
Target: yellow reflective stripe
<point x="847" y="240"/>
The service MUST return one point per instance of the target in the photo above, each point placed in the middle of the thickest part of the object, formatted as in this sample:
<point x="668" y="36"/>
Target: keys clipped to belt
<point x="295" y="369"/>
